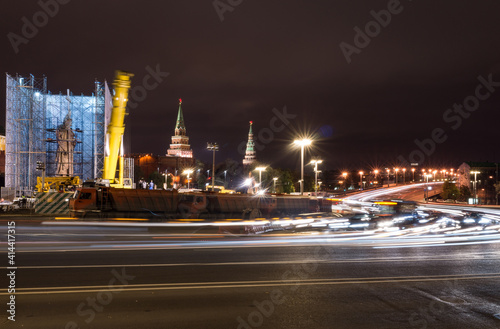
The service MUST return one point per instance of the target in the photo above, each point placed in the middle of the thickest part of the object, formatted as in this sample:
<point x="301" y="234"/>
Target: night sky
<point x="400" y="85"/>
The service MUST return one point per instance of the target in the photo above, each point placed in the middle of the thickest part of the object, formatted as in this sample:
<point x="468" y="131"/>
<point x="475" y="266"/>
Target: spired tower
<point x="250" y="151"/>
<point x="180" y="142"/>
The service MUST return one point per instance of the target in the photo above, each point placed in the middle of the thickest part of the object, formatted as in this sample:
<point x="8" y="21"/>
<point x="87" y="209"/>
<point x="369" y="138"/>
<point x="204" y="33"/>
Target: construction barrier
<point x="52" y="203"/>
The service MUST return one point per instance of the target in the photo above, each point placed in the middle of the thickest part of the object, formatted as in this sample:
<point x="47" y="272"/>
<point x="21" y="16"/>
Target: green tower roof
<point x="250" y="143"/>
<point x="180" y="118"/>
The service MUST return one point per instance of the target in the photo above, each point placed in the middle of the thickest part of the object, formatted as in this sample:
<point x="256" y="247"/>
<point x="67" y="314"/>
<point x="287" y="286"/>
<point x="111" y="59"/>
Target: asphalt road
<point x="132" y="278"/>
<point x="84" y="275"/>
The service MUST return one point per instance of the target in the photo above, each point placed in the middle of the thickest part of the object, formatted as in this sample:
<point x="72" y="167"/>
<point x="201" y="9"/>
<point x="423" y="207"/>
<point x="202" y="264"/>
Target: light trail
<point x="410" y="259"/>
<point x="367" y="238"/>
<point x="249" y="284"/>
<point x="364" y="196"/>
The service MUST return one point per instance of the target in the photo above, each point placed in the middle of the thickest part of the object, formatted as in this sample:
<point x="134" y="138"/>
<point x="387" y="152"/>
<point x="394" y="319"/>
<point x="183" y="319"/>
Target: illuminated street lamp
<point x="396" y="170"/>
<point x="188" y="172"/>
<point x="361" y="180"/>
<point x="344" y="174"/>
<point x="316" y="162"/>
<point x="274" y="182"/>
<point x="426" y="187"/>
<point x="404" y="176"/>
<point x="475" y="184"/>
<point x="388" y="177"/>
<point x="165" y="174"/>
<point x="302" y="143"/>
<point x="213" y="147"/>
<point x="413" y="174"/>
<point x="260" y="170"/>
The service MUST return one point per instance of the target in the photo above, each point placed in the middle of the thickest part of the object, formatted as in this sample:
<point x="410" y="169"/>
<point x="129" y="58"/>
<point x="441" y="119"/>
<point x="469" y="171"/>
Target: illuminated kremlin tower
<point x="180" y="142"/>
<point x="250" y="151"/>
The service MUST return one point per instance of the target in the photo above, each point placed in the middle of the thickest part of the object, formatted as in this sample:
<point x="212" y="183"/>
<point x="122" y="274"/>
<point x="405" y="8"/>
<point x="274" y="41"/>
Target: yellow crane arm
<point x="116" y="128"/>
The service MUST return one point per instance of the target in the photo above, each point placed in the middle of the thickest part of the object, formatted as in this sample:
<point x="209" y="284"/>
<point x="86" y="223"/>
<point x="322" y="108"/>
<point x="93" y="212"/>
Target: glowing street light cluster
<point x="315" y="163"/>
<point x="188" y="172"/>
<point x="302" y="143"/>
<point x="213" y="147"/>
<point x="260" y="170"/>
<point x="475" y="172"/>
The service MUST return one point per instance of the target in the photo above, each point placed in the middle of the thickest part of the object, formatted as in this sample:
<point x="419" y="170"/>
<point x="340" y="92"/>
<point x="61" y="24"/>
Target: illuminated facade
<point x="250" y="150"/>
<point x="180" y="142"/>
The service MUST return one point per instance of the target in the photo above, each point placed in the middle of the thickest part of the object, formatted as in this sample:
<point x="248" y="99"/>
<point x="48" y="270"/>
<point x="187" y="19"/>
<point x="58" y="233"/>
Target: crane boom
<point x="116" y="128"/>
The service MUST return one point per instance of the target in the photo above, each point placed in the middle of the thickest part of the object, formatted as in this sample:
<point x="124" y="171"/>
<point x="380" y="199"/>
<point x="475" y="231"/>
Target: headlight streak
<point x="367" y="238"/>
<point x="384" y="191"/>
<point x="483" y="228"/>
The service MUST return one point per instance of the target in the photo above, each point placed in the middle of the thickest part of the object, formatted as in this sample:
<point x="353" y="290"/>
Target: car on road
<point x="370" y="221"/>
<point x="478" y="219"/>
<point x="448" y="221"/>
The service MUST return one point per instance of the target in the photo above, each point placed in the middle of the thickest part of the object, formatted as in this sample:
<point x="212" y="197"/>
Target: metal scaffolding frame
<point x="57" y="107"/>
<point x="25" y="130"/>
<point x="32" y="117"/>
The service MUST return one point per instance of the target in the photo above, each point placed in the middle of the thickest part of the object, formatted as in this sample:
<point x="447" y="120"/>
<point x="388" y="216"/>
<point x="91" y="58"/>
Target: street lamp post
<point x="376" y="174"/>
<point x="413" y="175"/>
<point x="427" y="187"/>
<point x="361" y="180"/>
<point x="475" y="185"/>
<point x="165" y="174"/>
<point x="344" y="174"/>
<point x="404" y="176"/>
<point x="396" y="170"/>
<point x="225" y="174"/>
<point x="188" y="172"/>
<point x="316" y="162"/>
<point x="388" y="177"/>
<point x="213" y="147"/>
<point x="302" y="143"/>
<point x="260" y="170"/>
<point x="274" y="181"/>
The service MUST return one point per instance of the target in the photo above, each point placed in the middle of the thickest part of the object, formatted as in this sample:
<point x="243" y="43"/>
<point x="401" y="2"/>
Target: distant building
<point x="179" y="156"/>
<point x="250" y="157"/>
<point x="485" y="180"/>
<point x="149" y="163"/>
<point x="180" y="141"/>
<point x="463" y="175"/>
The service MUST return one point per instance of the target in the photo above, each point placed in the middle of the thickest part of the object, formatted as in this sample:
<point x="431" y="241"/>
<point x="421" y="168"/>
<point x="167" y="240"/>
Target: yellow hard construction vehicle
<point x="114" y="135"/>
<point x="55" y="184"/>
<point x="114" y="156"/>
